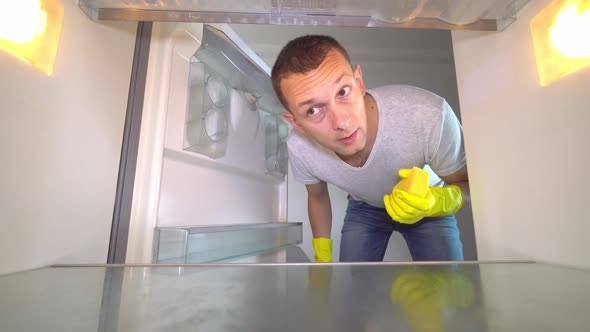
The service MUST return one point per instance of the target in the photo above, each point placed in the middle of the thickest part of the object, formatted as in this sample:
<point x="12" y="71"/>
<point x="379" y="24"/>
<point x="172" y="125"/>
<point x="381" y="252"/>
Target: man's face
<point x="327" y="104"/>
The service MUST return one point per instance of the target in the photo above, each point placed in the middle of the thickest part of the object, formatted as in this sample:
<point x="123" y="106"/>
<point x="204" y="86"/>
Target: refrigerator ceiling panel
<point x="492" y="15"/>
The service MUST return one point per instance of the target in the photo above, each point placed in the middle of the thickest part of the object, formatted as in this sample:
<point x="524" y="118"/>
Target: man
<point x="366" y="142"/>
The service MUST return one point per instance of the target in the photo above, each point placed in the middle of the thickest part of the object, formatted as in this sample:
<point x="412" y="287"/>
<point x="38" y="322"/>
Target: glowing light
<point x="20" y="20"/>
<point x="30" y="30"/>
<point x="42" y="24"/>
<point x="561" y="39"/>
<point x="570" y="34"/>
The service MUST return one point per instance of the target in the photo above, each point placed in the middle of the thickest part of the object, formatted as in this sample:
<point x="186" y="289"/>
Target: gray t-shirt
<point x="416" y="128"/>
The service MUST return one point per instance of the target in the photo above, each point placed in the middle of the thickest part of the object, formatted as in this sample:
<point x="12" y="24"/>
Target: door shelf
<point x="210" y="244"/>
<point x="226" y="53"/>
<point x="219" y="66"/>
<point x="207" y="112"/>
<point x="276" y="155"/>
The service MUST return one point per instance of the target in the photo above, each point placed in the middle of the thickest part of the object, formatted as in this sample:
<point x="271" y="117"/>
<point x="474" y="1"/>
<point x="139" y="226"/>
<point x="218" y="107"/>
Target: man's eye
<point x="314" y="111"/>
<point x="344" y="91"/>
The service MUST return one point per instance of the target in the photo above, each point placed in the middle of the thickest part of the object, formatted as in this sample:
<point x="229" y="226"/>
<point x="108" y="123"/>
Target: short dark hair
<point x="302" y="55"/>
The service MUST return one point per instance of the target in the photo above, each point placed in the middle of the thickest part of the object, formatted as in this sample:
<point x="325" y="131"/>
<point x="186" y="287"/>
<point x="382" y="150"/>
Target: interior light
<point x="560" y="37"/>
<point x="567" y="33"/>
<point x="30" y="30"/>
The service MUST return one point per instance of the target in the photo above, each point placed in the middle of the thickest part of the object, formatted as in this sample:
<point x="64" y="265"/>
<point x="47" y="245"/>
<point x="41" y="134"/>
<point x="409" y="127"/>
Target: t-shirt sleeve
<point x="449" y="156"/>
<point x="299" y="168"/>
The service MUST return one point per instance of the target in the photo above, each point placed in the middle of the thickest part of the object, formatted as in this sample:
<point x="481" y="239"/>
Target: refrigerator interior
<point x="513" y="297"/>
<point x="169" y="198"/>
<point x="420" y="57"/>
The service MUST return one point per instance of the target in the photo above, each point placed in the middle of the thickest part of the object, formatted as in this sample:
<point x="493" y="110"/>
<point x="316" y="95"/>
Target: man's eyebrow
<point x="306" y="102"/>
<point x="312" y="100"/>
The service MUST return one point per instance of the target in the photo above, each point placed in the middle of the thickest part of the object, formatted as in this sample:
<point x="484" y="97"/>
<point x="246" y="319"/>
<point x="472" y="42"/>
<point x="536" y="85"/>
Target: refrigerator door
<point x="212" y="145"/>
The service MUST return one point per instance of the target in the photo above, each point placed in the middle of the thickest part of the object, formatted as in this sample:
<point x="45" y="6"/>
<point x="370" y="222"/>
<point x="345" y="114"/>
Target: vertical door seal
<point x="128" y="162"/>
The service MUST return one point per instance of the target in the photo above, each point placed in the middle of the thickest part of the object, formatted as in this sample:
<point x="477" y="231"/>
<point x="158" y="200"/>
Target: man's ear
<point x="291" y="119"/>
<point x="358" y="75"/>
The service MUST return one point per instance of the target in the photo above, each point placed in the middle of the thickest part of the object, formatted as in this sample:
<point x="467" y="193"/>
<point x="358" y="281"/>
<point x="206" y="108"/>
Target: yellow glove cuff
<point x="323" y="249"/>
<point x="449" y="200"/>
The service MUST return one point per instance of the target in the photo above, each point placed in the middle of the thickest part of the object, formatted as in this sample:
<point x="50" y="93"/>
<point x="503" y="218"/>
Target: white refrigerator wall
<point x="60" y="138"/>
<point x="527" y="148"/>
<point x="387" y="56"/>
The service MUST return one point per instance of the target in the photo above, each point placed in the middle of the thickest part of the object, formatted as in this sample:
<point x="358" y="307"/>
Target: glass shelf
<point x="206" y="244"/>
<point x="493" y="15"/>
<point x="298" y="297"/>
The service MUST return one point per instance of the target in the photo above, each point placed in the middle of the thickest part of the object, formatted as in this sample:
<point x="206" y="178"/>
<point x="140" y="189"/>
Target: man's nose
<point x="340" y="119"/>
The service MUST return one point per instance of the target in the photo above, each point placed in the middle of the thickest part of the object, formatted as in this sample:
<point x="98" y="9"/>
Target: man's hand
<point x="323" y="249"/>
<point x="412" y="199"/>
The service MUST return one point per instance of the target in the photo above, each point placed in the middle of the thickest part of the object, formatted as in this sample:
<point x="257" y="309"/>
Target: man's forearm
<point x="320" y="216"/>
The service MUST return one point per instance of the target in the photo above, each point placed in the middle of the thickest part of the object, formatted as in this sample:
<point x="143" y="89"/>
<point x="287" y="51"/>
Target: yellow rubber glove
<point x="323" y="249"/>
<point x="412" y="199"/>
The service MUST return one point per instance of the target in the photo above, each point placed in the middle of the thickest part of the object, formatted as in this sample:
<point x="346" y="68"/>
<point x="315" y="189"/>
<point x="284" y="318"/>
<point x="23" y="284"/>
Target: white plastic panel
<point x="197" y="192"/>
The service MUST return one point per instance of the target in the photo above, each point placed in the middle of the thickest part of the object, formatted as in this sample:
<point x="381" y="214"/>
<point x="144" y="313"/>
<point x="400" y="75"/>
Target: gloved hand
<point x="323" y="249"/>
<point x="412" y="199"/>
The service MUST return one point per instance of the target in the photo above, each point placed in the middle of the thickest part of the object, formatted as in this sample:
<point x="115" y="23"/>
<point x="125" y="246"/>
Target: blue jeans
<point x="367" y="229"/>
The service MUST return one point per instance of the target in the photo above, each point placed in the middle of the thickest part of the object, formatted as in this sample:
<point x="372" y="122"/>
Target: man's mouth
<point x="349" y="139"/>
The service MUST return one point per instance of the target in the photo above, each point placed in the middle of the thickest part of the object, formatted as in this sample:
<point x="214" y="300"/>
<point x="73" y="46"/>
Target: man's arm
<point x="459" y="178"/>
<point x="319" y="209"/>
<point x="320" y="218"/>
